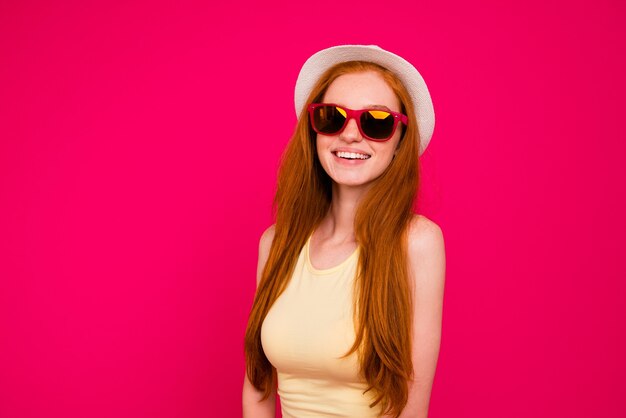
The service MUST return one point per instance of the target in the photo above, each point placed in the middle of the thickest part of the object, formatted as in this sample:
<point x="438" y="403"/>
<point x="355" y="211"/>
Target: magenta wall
<point x="136" y="176"/>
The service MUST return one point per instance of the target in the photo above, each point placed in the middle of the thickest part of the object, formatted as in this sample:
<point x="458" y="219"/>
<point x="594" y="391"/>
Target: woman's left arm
<point x="427" y="262"/>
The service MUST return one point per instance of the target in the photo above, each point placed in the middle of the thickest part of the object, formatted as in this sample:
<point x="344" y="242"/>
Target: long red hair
<point x="383" y="304"/>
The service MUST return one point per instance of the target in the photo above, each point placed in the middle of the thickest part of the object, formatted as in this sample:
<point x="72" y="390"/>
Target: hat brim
<point x="321" y="61"/>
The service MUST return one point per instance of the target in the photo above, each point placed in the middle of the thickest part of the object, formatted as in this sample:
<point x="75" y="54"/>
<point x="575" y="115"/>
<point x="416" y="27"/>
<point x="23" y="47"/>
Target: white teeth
<point x="352" y="155"/>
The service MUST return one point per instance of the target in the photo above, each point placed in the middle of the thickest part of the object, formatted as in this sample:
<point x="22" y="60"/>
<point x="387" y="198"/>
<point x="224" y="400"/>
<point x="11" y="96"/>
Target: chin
<point x="352" y="182"/>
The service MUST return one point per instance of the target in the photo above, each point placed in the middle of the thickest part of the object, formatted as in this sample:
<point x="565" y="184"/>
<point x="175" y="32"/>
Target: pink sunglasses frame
<point x="356" y="115"/>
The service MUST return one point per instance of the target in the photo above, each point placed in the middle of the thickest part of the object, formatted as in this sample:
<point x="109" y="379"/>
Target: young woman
<point x="346" y="320"/>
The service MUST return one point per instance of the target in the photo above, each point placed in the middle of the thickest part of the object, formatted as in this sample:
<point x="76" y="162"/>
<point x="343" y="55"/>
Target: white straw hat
<point x="321" y="61"/>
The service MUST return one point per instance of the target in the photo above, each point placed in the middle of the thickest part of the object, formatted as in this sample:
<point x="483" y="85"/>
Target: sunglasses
<point x="374" y="124"/>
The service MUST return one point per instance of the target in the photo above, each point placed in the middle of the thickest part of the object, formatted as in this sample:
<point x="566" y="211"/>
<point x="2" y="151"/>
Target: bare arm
<point x="253" y="407"/>
<point x="427" y="263"/>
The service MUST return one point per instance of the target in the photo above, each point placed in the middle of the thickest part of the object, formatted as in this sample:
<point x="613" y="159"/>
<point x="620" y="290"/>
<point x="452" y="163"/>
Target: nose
<point x="351" y="132"/>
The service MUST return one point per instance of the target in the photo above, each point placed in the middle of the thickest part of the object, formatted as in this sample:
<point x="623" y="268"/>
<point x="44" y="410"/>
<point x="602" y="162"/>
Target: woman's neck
<point x="338" y="224"/>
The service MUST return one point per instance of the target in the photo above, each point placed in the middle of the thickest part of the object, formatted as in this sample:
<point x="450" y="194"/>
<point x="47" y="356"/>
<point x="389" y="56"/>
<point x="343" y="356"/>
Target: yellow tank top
<point x="305" y="334"/>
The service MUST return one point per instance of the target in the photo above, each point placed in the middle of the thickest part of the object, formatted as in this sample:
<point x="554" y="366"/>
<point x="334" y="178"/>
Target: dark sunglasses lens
<point x="377" y="124"/>
<point x="328" y="119"/>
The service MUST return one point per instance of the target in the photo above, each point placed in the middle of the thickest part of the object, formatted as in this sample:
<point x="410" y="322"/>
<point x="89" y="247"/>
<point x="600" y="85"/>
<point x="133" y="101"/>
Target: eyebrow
<point x="377" y="107"/>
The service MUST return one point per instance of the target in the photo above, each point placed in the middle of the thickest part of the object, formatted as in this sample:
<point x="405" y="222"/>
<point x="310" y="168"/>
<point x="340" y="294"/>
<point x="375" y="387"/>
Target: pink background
<point x="137" y="173"/>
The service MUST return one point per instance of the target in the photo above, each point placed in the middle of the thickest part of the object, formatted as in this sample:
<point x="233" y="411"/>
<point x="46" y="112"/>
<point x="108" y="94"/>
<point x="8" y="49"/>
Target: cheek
<point x="386" y="151"/>
<point x="386" y="160"/>
<point x="321" y="144"/>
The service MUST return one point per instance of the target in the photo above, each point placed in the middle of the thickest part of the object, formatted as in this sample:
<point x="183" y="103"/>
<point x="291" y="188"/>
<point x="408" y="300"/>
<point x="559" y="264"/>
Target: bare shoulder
<point x="426" y="250"/>
<point x="423" y="233"/>
<point x="265" y="243"/>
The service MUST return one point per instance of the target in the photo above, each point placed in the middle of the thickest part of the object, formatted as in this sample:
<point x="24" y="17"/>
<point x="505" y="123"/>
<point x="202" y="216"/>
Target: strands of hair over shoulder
<point x="383" y="304"/>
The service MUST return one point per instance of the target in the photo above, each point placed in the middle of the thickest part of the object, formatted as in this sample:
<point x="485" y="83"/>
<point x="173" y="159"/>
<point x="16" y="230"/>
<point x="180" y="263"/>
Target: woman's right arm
<point x="253" y="406"/>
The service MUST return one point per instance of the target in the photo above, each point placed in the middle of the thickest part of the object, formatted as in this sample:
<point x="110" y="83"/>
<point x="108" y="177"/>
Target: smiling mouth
<point x="351" y="155"/>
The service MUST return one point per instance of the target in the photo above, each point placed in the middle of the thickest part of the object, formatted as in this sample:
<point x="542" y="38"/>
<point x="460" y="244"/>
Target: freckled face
<point x="358" y="91"/>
